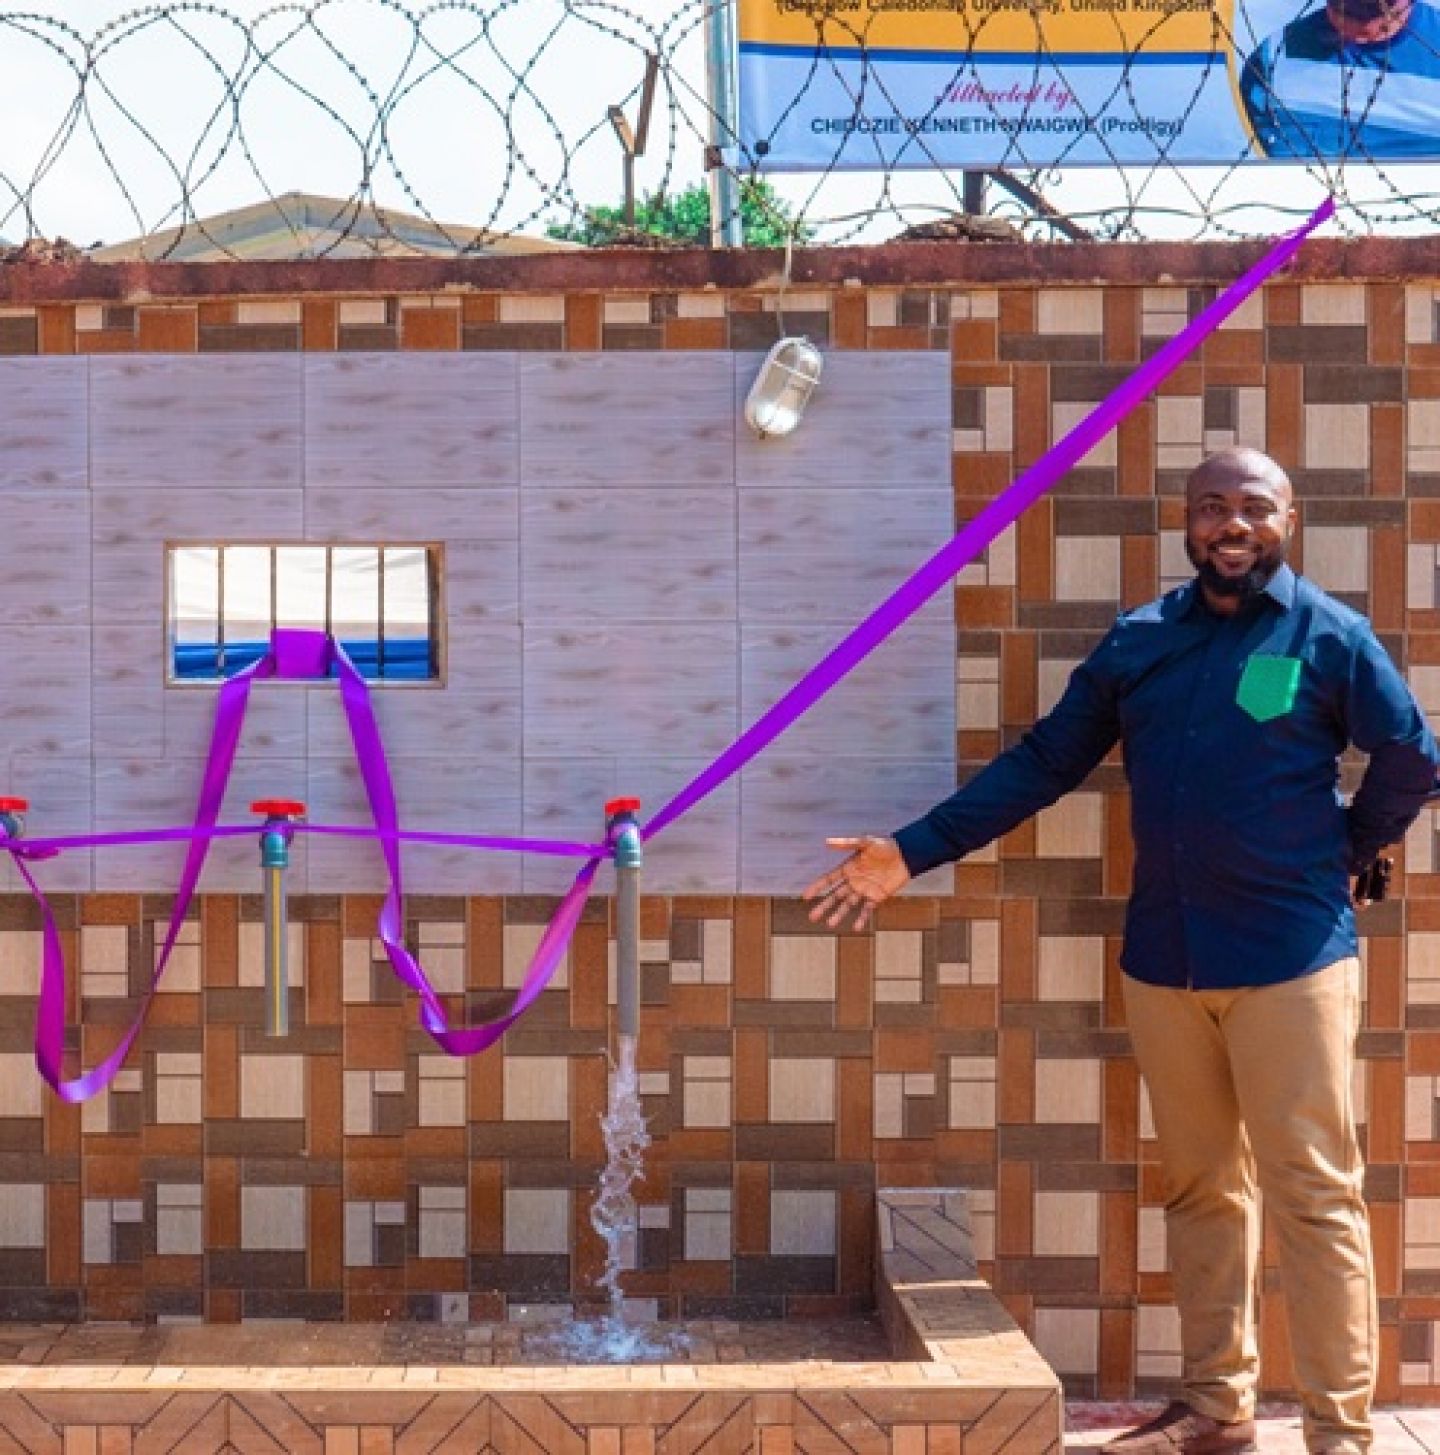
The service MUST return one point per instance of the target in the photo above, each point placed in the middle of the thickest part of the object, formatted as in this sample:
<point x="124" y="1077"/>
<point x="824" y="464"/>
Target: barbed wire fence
<point x="489" y="120"/>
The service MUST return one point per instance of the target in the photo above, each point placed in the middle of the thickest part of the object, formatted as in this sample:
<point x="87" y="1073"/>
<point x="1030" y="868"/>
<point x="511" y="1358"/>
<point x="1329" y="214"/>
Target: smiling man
<point x="1234" y="697"/>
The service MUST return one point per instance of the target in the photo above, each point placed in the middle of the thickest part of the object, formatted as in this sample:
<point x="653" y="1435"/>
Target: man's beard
<point x="1238" y="588"/>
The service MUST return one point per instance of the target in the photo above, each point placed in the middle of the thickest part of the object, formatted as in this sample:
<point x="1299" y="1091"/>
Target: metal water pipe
<point x="281" y="815"/>
<point x="726" y="229"/>
<point x="623" y="832"/>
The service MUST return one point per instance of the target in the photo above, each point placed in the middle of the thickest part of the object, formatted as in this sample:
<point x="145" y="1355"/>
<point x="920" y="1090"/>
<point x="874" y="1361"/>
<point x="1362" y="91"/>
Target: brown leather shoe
<point x="1180" y="1430"/>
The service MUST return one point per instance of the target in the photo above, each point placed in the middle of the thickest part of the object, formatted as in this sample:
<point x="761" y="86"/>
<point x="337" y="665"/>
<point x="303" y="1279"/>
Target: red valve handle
<point x="279" y="807"/>
<point x="621" y="805"/>
<point x="14" y="805"/>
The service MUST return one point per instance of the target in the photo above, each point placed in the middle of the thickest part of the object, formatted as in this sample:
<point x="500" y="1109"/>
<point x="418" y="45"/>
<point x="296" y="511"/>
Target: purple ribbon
<point x="293" y="655"/>
<point x="305" y="654"/>
<point x="49" y="848"/>
<point x="977" y="534"/>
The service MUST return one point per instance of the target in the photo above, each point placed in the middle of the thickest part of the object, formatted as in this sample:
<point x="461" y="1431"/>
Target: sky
<point x="503" y="122"/>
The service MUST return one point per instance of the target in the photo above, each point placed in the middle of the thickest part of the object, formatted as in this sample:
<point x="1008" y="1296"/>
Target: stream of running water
<point x="617" y="1337"/>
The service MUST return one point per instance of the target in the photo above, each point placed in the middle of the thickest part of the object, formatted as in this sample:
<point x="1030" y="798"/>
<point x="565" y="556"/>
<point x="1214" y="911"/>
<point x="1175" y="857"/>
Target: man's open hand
<point x="872" y="873"/>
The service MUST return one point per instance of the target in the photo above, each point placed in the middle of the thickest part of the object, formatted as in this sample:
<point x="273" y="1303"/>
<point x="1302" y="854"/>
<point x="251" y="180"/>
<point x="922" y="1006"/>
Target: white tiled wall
<point x="630" y="578"/>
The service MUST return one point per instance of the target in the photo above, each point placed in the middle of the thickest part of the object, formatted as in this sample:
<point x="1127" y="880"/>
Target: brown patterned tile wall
<point x="974" y="1040"/>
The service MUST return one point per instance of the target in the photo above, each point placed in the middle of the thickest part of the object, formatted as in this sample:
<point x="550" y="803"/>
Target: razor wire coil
<point x="500" y="113"/>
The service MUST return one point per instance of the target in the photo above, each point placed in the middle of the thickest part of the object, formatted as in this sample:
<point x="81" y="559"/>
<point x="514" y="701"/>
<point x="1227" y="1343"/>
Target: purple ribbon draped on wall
<point x="307" y="654"/>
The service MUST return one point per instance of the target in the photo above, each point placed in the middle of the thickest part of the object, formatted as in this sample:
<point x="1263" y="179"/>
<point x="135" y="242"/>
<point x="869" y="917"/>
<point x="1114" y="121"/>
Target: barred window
<point x="380" y="601"/>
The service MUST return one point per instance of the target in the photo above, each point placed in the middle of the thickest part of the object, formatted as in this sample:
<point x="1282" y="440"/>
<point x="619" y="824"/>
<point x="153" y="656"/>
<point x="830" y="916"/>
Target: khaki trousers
<point x="1252" y="1086"/>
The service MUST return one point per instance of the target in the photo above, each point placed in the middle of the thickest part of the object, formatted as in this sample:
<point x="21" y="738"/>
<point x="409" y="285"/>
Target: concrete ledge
<point x="963" y="1380"/>
<point x="937" y="1309"/>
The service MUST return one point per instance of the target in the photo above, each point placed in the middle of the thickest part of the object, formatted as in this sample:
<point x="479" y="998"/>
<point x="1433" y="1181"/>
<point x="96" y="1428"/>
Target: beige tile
<point x="627" y="310"/>
<point x="1157" y="1341"/>
<point x="1071" y="967"/>
<point x="178" y="1089"/>
<point x="882" y="309"/>
<point x="803" y="967"/>
<point x="1337" y="557"/>
<point x="267" y="310"/>
<point x="1067" y="1091"/>
<point x="272" y="1219"/>
<point x="1087" y="568"/>
<point x="706" y="1103"/>
<point x="354" y="311"/>
<point x="1420" y="576"/>
<point x="1073" y="828"/>
<point x="803" y="1223"/>
<point x="1067" y="1224"/>
<point x="1420" y="313"/>
<point x="19" y="1085"/>
<point x="1250" y="416"/>
<point x="536" y="1089"/>
<point x="889" y="1120"/>
<point x="708" y="1237"/>
<point x="717" y="949"/>
<point x="898" y="956"/>
<point x="1337" y="436"/>
<point x="1332" y="303"/>
<point x="1069" y="1339"/>
<point x="442" y="1233"/>
<point x="359" y="1103"/>
<point x="537" y="1220"/>
<point x="1151" y="1254"/>
<point x="1070" y="310"/>
<point x="22" y="1215"/>
<point x="972" y="1105"/>
<point x="802" y="1089"/>
<point x="701" y="305"/>
<point x="442" y="1103"/>
<point x="532" y="308"/>
<point x="272" y="1087"/>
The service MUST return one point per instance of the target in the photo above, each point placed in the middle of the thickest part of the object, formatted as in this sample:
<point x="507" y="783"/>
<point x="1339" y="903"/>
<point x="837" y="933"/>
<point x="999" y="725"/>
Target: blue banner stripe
<point x="1039" y="59"/>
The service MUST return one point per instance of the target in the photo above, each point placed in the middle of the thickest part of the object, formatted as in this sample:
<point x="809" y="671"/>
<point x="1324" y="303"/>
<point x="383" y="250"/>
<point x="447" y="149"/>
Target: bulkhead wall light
<point x="783" y="387"/>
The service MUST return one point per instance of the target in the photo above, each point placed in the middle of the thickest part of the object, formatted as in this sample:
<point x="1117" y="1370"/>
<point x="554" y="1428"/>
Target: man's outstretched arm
<point x="1056" y="755"/>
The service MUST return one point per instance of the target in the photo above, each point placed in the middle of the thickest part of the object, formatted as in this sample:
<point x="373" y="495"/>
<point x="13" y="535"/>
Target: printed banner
<point x="862" y="85"/>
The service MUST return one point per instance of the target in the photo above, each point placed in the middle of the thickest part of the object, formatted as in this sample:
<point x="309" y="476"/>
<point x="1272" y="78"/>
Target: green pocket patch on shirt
<point x="1268" y="686"/>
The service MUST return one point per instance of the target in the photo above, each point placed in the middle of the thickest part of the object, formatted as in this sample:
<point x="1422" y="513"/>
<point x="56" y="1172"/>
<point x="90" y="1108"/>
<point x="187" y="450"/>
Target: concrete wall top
<point x="886" y="265"/>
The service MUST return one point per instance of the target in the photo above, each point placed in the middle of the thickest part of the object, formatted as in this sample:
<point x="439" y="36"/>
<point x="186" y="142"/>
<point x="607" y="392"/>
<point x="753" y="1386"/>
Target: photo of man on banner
<point x="1347" y="78"/>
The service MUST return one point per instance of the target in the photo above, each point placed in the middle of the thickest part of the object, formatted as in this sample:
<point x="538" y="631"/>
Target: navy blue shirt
<point x="1232" y="728"/>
